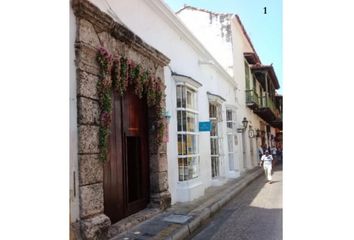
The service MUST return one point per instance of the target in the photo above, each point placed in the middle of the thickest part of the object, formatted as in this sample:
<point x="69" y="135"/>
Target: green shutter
<point x="247" y="72"/>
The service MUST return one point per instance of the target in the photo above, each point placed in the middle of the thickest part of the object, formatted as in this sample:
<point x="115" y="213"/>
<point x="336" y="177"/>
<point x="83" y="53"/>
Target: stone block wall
<point x="96" y="29"/>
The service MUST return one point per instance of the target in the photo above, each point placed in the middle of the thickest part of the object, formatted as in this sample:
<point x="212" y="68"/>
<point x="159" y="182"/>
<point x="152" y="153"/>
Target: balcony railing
<point x="252" y="97"/>
<point x="266" y="102"/>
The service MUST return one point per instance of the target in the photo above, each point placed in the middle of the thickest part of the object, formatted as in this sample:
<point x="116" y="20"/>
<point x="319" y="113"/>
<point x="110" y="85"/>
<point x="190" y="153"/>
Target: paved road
<point x="254" y="214"/>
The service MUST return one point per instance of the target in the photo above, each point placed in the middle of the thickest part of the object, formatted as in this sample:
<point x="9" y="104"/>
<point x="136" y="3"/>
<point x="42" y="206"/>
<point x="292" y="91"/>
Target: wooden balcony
<point x="266" y="109"/>
<point x="252" y="99"/>
<point x="278" y="122"/>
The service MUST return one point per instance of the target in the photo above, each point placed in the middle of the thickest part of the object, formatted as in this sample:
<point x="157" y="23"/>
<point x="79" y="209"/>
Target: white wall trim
<point x="185" y="80"/>
<point x="215" y="98"/>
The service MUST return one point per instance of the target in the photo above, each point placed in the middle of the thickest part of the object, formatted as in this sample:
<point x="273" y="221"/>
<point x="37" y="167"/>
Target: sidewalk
<point x="180" y="220"/>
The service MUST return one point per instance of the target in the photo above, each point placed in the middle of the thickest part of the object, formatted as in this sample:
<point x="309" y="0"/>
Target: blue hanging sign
<point x="204" y="126"/>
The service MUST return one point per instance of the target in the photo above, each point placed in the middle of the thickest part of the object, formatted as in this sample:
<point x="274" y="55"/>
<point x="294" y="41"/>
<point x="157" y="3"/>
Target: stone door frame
<point x="94" y="29"/>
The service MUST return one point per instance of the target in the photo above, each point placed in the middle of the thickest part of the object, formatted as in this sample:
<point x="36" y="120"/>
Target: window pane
<point x="187" y="168"/>
<point x="219" y="112"/>
<point x="214" y="146"/>
<point x="191" y="144"/>
<point x="214" y="128"/>
<point x="184" y="149"/>
<point x="179" y="121"/>
<point x="183" y="97"/>
<point x="228" y="115"/>
<point x="182" y="165"/>
<point x="193" y="167"/>
<point x="184" y="121"/>
<point x="212" y="110"/>
<point x="189" y="99"/>
<point x="229" y="126"/>
<point x="191" y="122"/>
<point x="215" y="166"/>
<point x="179" y="96"/>
<point x="180" y="144"/>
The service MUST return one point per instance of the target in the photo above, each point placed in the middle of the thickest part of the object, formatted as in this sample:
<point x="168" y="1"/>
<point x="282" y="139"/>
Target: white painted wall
<point x="210" y="29"/>
<point x="230" y="54"/>
<point x="157" y="25"/>
<point x="74" y="198"/>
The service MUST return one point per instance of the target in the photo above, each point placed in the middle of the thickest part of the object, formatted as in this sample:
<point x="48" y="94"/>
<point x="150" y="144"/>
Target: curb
<point x="187" y="230"/>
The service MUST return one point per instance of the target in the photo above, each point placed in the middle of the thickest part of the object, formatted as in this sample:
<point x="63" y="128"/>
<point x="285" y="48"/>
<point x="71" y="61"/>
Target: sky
<point x="265" y="30"/>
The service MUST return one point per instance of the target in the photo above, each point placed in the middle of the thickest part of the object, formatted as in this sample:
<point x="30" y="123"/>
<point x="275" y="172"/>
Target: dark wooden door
<point x="126" y="173"/>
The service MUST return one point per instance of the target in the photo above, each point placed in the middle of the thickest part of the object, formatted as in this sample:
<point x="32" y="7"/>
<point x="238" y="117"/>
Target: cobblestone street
<point x="254" y="214"/>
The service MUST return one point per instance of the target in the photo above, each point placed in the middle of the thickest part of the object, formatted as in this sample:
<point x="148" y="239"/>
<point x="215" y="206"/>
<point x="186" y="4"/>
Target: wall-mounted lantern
<point x="243" y="128"/>
<point x="244" y="122"/>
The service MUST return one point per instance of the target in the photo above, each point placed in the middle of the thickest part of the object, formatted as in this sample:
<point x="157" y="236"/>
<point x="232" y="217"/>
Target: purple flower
<point x="106" y="119"/>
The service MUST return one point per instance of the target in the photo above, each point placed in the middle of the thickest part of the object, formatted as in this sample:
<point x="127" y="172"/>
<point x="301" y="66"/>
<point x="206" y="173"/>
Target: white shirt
<point x="268" y="158"/>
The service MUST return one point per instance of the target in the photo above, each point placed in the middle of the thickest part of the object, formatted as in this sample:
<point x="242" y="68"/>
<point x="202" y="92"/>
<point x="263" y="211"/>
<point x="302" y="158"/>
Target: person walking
<point x="260" y="153"/>
<point x="273" y="151"/>
<point x="267" y="160"/>
<point x="279" y="154"/>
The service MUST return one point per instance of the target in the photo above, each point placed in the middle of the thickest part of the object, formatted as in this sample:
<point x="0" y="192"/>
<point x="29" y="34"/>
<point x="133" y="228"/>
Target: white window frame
<point x="196" y="156"/>
<point x="218" y="136"/>
<point x="233" y="133"/>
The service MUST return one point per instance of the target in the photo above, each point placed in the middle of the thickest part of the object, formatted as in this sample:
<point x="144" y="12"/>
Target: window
<point x="187" y="135"/>
<point x="215" y="118"/>
<point x="229" y="123"/>
<point x="231" y="137"/>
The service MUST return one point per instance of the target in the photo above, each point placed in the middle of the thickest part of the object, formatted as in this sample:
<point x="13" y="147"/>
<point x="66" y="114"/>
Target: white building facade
<point x="198" y="90"/>
<point x="226" y="38"/>
<point x="207" y="142"/>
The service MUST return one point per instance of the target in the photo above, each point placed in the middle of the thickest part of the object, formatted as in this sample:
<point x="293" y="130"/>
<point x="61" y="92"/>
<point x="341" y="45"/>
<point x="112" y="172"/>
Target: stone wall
<point x="95" y="29"/>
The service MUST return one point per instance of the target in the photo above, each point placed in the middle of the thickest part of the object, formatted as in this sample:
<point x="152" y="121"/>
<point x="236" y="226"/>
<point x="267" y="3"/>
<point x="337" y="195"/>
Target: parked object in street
<point x="267" y="160"/>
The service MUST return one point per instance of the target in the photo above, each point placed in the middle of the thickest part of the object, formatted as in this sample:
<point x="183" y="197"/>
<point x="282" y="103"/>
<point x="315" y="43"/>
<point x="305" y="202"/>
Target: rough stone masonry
<point x="95" y="29"/>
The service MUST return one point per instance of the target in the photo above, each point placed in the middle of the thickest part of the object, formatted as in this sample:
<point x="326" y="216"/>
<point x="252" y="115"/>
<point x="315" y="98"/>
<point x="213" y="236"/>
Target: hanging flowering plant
<point x="115" y="75"/>
<point x="104" y="59"/>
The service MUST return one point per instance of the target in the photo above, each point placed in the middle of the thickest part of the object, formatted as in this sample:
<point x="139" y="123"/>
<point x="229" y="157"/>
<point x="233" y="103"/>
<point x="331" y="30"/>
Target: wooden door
<point x="135" y="133"/>
<point x="126" y="173"/>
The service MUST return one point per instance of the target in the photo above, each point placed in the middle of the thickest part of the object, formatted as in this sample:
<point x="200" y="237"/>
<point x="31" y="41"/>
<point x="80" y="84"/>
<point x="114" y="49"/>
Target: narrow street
<point x="254" y="214"/>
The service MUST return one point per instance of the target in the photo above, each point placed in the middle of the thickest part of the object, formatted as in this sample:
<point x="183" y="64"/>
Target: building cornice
<point x="186" y="79"/>
<point x="215" y="98"/>
<point x="104" y="22"/>
<point x="266" y="68"/>
<point x="238" y="20"/>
